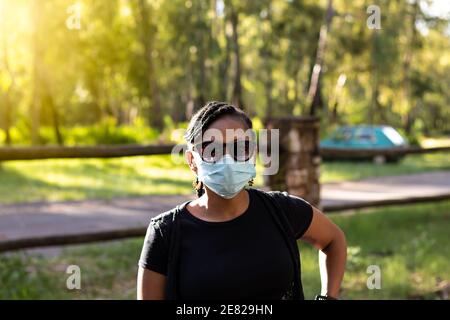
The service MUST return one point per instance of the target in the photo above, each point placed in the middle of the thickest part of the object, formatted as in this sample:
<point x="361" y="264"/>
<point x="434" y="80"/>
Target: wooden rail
<point x="70" y="239"/>
<point x="98" y="151"/>
<point x="112" y="151"/>
<point x="97" y="236"/>
<point x="367" y="153"/>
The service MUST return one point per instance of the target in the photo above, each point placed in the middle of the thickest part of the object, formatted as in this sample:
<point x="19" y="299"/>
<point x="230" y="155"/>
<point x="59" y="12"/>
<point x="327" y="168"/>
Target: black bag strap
<point x="174" y="234"/>
<point x="282" y="222"/>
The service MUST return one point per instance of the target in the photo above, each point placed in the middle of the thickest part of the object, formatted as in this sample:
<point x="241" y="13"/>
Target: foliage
<point x="160" y="60"/>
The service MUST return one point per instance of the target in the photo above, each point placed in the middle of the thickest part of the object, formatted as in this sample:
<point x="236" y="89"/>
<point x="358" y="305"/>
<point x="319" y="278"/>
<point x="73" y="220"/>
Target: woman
<point x="234" y="242"/>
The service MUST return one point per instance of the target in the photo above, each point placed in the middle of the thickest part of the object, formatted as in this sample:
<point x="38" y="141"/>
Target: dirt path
<point x="60" y="218"/>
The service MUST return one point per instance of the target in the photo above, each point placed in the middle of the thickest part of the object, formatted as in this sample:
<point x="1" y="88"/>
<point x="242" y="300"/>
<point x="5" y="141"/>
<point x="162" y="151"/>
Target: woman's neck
<point x="219" y="209"/>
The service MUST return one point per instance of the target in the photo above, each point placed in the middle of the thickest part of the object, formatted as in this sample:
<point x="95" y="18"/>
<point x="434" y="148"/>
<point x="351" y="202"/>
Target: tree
<point x="159" y="61"/>
<point x="147" y="36"/>
<point x="314" y="92"/>
<point x="7" y="92"/>
<point x="232" y="15"/>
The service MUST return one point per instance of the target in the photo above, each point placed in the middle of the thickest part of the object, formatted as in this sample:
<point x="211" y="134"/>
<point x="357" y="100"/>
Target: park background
<point x="115" y="72"/>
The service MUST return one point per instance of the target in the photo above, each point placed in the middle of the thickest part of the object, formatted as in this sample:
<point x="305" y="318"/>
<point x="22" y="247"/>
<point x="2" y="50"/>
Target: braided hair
<point x="200" y="122"/>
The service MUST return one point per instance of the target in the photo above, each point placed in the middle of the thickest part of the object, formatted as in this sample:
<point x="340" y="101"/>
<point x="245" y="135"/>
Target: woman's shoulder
<point x="167" y="218"/>
<point x="288" y="202"/>
<point x="298" y="211"/>
<point x="277" y="195"/>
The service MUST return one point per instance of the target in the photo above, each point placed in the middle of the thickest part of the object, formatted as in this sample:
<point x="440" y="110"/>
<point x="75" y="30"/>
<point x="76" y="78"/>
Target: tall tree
<point x="232" y="13"/>
<point x="267" y="56"/>
<point x="35" y="107"/>
<point x="225" y="55"/>
<point x="147" y="37"/>
<point x="6" y="96"/>
<point x="314" y="92"/>
<point x="375" y="82"/>
<point x="412" y="17"/>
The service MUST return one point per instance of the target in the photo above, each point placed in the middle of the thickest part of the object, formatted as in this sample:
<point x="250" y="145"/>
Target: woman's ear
<point x="190" y="161"/>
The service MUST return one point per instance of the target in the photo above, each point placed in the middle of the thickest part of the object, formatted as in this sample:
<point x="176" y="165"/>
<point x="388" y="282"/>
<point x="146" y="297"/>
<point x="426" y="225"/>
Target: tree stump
<point x="299" y="158"/>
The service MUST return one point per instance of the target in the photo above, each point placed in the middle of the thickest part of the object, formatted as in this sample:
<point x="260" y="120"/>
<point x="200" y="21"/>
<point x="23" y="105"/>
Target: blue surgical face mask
<point x="225" y="177"/>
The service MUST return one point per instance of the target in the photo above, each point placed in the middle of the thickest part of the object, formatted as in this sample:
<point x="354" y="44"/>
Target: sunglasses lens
<point x="240" y="150"/>
<point x="243" y="150"/>
<point x="211" y="151"/>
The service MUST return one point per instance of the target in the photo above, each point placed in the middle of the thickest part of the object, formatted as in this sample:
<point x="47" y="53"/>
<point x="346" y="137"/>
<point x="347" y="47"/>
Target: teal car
<point x="365" y="137"/>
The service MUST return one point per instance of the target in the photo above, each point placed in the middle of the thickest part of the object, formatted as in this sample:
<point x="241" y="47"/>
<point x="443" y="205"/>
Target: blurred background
<point x="132" y="72"/>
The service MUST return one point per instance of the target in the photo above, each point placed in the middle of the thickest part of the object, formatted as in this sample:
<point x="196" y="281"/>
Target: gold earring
<point x="198" y="187"/>
<point x="195" y="184"/>
<point x="250" y="183"/>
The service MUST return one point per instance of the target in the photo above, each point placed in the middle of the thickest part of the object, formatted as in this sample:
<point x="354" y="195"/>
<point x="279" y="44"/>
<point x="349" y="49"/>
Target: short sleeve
<point x="154" y="254"/>
<point x="298" y="211"/>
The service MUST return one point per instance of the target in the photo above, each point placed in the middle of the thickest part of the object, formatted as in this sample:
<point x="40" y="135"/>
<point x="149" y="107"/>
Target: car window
<point x="365" y="136"/>
<point x="393" y="135"/>
<point x="343" y="135"/>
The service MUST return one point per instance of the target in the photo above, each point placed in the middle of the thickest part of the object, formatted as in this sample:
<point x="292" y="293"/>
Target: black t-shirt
<point x="242" y="258"/>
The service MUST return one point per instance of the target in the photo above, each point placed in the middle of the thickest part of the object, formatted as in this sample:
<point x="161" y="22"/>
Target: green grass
<point x="341" y="171"/>
<point x="408" y="243"/>
<point x="78" y="179"/>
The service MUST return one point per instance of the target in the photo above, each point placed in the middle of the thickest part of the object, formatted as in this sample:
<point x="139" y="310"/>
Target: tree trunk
<point x="267" y="58"/>
<point x="41" y="96"/>
<point x="35" y="106"/>
<point x="7" y="103"/>
<point x="374" y="110"/>
<point x="334" y="117"/>
<point x="224" y="66"/>
<point x="314" y="92"/>
<point x="317" y="99"/>
<point x="268" y="89"/>
<point x="147" y="39"/>
<point x="295" y="75"/>
<point x="200" y="97"/>
<point x="237" y="86"/>
<point x="7" y="117"/>
<point x="48" y="98"/>
<point x="409" y="117"/>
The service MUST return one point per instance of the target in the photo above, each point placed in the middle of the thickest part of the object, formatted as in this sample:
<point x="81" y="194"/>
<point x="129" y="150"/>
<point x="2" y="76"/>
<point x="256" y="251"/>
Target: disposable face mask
<point x="225" y="177"/>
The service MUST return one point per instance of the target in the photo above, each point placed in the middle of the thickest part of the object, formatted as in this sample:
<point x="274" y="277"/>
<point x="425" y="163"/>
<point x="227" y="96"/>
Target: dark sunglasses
<point x="240" y="150"/>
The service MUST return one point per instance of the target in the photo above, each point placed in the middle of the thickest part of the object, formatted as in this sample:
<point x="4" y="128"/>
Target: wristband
<point x="326" y="297"/>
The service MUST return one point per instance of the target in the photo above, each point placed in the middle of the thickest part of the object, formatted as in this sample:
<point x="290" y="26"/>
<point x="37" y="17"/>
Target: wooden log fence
<point x="112" y="151"/>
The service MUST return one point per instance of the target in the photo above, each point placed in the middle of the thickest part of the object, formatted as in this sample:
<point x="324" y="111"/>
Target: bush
<point x="107" y="132"/>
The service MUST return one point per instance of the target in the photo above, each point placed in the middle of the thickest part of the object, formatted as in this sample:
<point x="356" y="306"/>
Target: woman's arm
<point x="150" y="285"/>
<point x="330" y="240"/>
